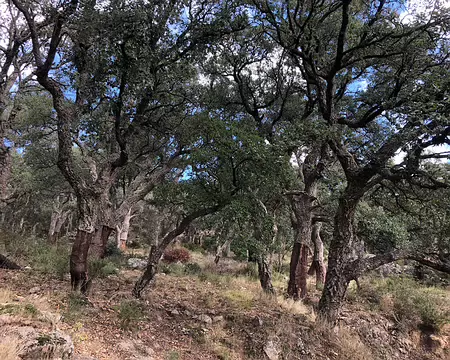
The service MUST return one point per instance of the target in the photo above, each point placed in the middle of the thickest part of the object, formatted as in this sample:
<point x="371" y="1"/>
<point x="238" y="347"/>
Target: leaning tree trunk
<point x="337" y="278"/>
<point x="59" y="224"/>
<point x="221" y="248"/>
<point x="317" y="265"/>
<point x="6" y="263"/>
<point x="57" y="220"/>
<point x="157" y="251"/>
<point x="265" y="275"/>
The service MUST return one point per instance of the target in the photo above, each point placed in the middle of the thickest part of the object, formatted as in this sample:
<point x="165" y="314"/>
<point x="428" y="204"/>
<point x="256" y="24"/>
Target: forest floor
<point x="205" y="311"/>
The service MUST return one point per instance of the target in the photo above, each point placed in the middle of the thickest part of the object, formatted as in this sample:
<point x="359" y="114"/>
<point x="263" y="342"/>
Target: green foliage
<point x="76" y="304"/>
<point x="410" y="303"/>
<point x="380" y="230"/>
<point x="101" y="268"/>
<point x="195" y="248"/>
<point x="129" y="313"/>
<point x="49" y="259"/>
<point x="172" y="355"/>
<point x="26" y="310"/>
<point x="250" y="270"/>
<point x="174" y="269"/>
<point x="413" y="302"/>
<point x="192" y="269"/>
<point x="112" y="250"/>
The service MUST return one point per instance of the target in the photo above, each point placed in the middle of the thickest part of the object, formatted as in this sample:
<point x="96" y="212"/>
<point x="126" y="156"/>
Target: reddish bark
<point x="78" y="261"/>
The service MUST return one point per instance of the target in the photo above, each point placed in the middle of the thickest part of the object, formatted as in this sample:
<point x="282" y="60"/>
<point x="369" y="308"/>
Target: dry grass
<point x="346" y="344"/>
<point x="6" y="296"/>
<point x="9" y="349"/>
<point x="296" y="307"/>
<point x="350" y="346"/>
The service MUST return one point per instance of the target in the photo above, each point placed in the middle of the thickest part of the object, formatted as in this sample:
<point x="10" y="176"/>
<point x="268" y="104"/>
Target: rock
<point x="271" y="350"/>
<point x="174" y="312"/>
<point x="35" y="290"/>
<point x="82" y="357"/>
<point x="217" y="319"/>
<point x="205" y="318"/>
<point x="257" y="321"/>
<point x="136" y="263"/>
<point x="35" y="345"/>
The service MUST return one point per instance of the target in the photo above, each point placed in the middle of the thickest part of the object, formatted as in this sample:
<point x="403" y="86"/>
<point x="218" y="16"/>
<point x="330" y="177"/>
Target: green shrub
<point x="413" y="303"/>
<point x="129" y="312"/>
<point x="101" y="268"/>
<point x="75" y="305"/>
<point x="112" y="250"/>
<point x="195" y="248"/>
<point x="250" y="270"/>
<point x="172" y="355"/>
<point x="176" y="254"/>
<point x="192" y="269"/>
<point x="173" y="269"/>
<point x="50" y="259"/>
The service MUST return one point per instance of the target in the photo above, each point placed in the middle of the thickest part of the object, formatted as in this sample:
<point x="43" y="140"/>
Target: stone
<point x="54" y="345"/>
<point x="35" y="290"/>
<point x="217" y="319"/>
<point x="271" y="350"/>
<point x="174" y="312"/>
<point x="205" y="318"/>
<point x="257" y="321"/>
<point x="136" y="263"/>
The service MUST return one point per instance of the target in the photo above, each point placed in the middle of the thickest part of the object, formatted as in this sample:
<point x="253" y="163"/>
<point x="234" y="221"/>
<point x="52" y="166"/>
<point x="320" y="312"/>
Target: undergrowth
<point x="410" y="304"/>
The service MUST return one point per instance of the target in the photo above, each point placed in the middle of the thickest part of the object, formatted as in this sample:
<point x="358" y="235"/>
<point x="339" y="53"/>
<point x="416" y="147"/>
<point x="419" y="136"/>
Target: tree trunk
<point x="295" y="257"/>
<point x="78" y="261"/>
<point x="265" y="275"/>
<point x="99" y="241"/>
<point x="5" y="263"/>
<point x="59" y="224"/>
<point x="337" y="279"/>
<point x="84" y="236"/>
<point x="57" y="220"/>
<point x="156" y="252"/>
<point x="302" y="222"/>
<point x="124" y="231"/>
<point x="52" y="227"/>
<point x="302" y="271"/>
<point x="221" y="248"/>
<point x="317" y="266"/>
<point x="5" y="169"/>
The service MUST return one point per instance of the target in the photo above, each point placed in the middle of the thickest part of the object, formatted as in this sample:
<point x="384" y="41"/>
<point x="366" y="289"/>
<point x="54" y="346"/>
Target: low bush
<point x="420" y="306"/>
<point x="192" y="269"/>
<point x="195" y="248"/>
<point x="129" y="312"/>
<point x="173" y="269"/>
<point x="410" y="303"/>
<point x="50" y="259"/>
<point x="101" y="268"/>
<point x="250" y="270"/>
<point x="176" y="254"/>
<point x="112" y="250"/>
